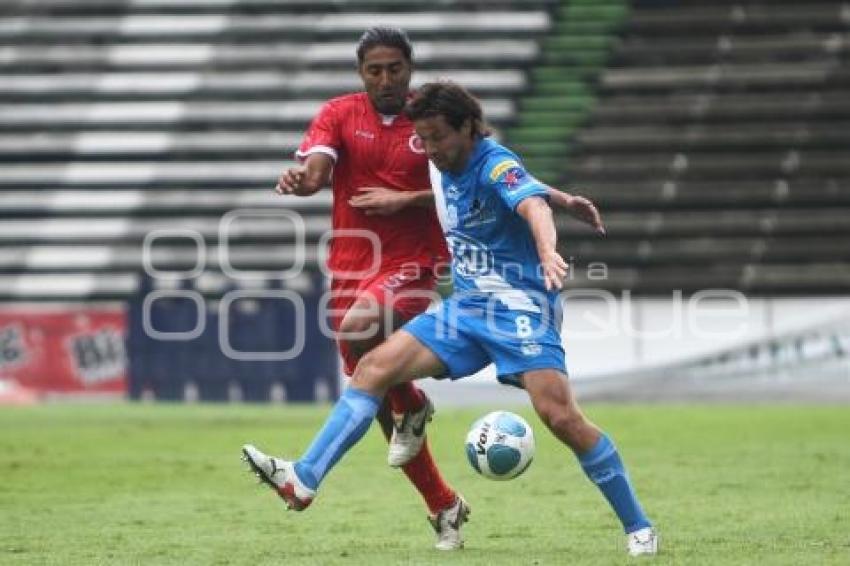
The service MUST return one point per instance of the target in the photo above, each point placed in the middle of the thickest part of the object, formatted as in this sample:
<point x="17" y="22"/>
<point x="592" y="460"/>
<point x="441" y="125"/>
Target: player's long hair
<point x="384" y="36"/>
<point x="451" y="101"/>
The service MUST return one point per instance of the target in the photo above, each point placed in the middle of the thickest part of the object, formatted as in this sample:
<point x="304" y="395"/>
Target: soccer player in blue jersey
<point x="504" y="310"/>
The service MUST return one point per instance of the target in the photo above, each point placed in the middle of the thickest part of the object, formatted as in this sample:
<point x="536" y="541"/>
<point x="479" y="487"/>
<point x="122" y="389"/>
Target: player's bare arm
<point x="381" y="201"/>
<point x="307" y="179"/>
<point x="579" y="207"/>
<point x="538" y="214"/>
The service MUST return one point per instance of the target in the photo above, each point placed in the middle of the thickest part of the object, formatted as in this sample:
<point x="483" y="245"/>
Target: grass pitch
<point x="143" y="484"/>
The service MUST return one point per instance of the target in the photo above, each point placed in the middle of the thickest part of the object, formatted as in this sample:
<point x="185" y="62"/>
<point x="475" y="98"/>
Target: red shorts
<point x="407" y="291"/>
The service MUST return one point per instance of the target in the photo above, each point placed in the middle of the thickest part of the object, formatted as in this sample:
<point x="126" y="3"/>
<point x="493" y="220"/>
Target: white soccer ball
<point x="500" y="445"/>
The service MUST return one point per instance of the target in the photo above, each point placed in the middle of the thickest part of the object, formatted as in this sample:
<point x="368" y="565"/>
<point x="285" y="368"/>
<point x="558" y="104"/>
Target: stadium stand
<point x="714" y="137"/>
<point x="122" y="118"/>
<point x="144" y="137"/>
<point x="717" y="144"/>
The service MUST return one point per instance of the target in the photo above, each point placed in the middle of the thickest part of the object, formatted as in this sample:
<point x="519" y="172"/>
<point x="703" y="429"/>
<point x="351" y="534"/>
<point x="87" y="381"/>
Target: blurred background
<point x="140" y="141"/>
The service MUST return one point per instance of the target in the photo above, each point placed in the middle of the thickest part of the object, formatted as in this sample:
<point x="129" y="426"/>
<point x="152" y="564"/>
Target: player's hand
<point x="583" y="209"/>
<point x="290" y="180"/>
<point x="554" y="270"/>
<point x="379" y="201"/>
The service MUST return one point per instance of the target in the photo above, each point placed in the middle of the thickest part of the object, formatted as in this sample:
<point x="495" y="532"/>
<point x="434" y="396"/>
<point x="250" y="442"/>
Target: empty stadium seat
<point x="711" y="134"/>
<point x="684" y="119"/>
<point x="118" y="119"/>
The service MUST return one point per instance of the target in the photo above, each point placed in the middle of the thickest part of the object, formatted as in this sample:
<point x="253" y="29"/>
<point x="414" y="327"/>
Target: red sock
<point x="423" y="473"/>
<point x="405" y="398"/>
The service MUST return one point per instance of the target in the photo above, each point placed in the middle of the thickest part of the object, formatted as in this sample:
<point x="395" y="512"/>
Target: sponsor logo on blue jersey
<point x="514" y="178"/>
<point x="471" y="257"/>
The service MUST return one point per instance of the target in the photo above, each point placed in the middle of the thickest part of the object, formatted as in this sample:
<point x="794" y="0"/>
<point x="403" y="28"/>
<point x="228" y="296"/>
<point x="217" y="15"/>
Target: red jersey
<point x="372" y="151"/>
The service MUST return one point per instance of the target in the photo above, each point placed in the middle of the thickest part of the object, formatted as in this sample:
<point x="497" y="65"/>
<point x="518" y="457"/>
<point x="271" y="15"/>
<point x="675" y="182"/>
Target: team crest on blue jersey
<point x="514" y="178"/>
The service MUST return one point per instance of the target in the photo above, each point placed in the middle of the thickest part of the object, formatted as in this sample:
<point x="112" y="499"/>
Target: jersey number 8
<point x="523" y="326"/>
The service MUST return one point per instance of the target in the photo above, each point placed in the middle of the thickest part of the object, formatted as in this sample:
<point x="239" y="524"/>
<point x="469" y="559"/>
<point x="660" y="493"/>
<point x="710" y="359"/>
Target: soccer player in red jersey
<point x="385" y="246"/>
<point x="386" y="243"/>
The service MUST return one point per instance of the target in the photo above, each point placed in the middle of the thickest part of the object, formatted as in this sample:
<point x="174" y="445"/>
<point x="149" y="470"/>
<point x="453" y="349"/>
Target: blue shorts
<point x="467" y="336"/>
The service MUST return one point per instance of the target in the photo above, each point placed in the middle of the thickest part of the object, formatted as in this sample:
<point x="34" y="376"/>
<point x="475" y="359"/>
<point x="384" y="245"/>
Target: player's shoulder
<point x="496" y="160"/>
<point x="347" y="102"/>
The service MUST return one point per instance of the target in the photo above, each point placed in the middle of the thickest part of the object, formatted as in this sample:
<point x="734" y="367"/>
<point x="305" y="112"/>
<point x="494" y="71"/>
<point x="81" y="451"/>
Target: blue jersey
<point x="500" y="311"/>
<point x="493" y="250"/>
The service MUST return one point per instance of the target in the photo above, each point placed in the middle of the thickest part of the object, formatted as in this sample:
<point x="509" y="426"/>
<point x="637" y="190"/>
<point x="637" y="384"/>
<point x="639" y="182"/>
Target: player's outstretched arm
<point x="578" y="207"/>
<point x="305" y="180"/>
<point x="381" y="201"/>
<point x="536" y="211"/>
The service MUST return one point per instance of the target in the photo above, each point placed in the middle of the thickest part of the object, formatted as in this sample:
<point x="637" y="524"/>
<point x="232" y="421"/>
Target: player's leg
<point x="401" y="358"/>
<point x="526" y="348"/>
<point x="359" y="320"/>
<point x="382" y="306"/>
<point x="368" y="322"/>
<point x="555" y="403"/>
<point x="418" y="350"/>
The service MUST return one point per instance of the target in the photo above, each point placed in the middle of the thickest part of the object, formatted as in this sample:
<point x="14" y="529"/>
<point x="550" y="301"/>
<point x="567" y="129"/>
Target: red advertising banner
<point x="64" y="348"/>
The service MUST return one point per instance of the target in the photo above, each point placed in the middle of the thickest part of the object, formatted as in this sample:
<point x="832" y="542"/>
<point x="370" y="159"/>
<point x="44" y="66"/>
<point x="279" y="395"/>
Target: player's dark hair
<point x="384" y="36"/>
<point x="451" y="101"/>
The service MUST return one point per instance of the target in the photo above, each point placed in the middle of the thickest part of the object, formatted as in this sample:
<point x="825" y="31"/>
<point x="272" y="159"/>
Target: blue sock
<point x="348" y="422"/>
<point x="603" y="466"/>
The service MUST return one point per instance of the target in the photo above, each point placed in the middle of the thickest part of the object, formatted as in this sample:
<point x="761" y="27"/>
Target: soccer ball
<point x="500" y="445"/>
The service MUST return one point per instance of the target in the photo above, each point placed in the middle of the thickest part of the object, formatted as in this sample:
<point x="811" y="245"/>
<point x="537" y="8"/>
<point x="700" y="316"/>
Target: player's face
<point x="386" y="78"/>
<point x="447" y="147"/>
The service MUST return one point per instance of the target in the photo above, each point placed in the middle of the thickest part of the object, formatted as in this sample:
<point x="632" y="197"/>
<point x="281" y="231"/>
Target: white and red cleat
<point x="448" y="523"/>
<point x="409" y="434"/>
<point x="279" y="475"/>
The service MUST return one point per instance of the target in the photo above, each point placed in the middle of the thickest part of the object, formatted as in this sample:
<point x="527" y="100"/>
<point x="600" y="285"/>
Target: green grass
<point x="141" y="484"/>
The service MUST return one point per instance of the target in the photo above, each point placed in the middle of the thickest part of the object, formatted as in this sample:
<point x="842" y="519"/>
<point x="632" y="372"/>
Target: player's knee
<point x="356" y="327"/>
<point x="374" y="372"/>
<point x="360" y="333"/>
<point x="566" y="424"/>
